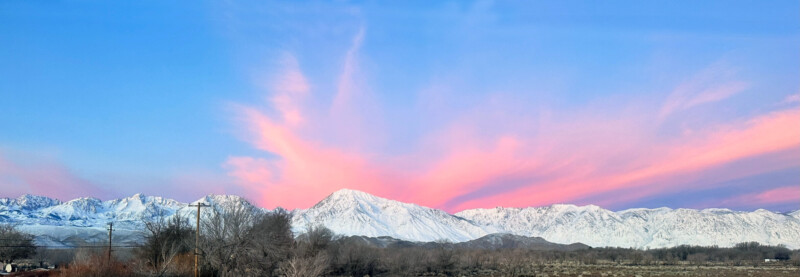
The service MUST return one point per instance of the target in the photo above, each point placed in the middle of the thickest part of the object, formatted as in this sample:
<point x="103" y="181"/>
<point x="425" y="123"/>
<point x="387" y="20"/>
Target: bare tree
<point x="315" y="239"/>
<point x="15" y="244"/>
<point x="225" y="233"/>
<point x="355" y="259"/>
<point x="314" y="266"/>
<point x="164" y="241"/>
<point x="271" y="240"/>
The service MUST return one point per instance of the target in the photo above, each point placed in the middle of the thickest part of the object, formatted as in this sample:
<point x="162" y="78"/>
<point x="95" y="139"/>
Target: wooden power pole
<point x="110" y="229"/>
<point x="197" y="239"/>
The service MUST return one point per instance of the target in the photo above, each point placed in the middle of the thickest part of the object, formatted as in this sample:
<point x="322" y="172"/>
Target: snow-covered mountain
<point x="662" y="227"/>
<point x="355" y="213"/>
<point x="84" y="220"/>
<point x="28" y="202"/>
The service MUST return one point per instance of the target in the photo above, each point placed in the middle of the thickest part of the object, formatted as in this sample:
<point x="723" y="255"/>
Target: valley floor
<point x="612" y="270"/>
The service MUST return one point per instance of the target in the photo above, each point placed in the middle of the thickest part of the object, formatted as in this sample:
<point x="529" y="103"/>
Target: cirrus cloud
<point x="491" y="156"/>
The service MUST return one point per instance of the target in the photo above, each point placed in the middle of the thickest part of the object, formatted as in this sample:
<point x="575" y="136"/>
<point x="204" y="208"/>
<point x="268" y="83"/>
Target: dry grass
<point x="95" y="265"/>
<point x="609" y="270"/>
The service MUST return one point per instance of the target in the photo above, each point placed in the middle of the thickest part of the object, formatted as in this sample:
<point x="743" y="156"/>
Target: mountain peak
<point x="84" y="201"/>
<point x="224" y="201"/>
<point x="139" y="198"/>
<point x="350" y="196"/>
<point x="29" y="201"/>
<point x="348" y="211"/>
<point x="572" y="207"/>
<point x="345" y="192"/>
<point x="222" y="197"/>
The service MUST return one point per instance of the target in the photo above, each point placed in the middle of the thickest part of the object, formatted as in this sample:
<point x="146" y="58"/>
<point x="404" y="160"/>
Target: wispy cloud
<point x="40" y="176"/>
<point x="289" y="88"/>
<point x="305" y="171"/>
<point x="490" y="155"/>
<point x="654" y="167"/>
<point x="715" y="83"/>
<point x="791" y="99"/>
<point x="348" y="88"/>
<point x="781" y="195"/>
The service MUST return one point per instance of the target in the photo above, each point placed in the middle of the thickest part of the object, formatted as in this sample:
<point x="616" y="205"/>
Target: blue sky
<point x="448" y="104"/>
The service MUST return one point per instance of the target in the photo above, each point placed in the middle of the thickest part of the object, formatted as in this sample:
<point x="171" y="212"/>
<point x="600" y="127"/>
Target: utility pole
<point x="197" y="239"/>
<point x="110" y="229"/>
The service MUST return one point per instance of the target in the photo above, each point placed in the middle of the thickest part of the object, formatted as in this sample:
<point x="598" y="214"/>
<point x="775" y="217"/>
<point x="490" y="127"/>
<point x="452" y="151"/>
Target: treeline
<point x="354" y="259"/>
<point x="739" y="254"/>
<point x="343" y="257"/>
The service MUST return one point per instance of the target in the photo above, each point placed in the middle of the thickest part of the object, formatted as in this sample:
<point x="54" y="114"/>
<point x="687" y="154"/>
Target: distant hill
<point x="489" y="242"/>
<point x="510" y="241"/>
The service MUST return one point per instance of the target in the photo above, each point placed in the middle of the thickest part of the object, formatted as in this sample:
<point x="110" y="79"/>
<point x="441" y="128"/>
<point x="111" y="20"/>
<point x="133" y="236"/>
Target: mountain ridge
<point x="356" y="213"/>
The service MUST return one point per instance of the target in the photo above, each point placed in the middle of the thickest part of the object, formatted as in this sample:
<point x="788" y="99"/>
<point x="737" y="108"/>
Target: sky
<point x="447" y="104"/>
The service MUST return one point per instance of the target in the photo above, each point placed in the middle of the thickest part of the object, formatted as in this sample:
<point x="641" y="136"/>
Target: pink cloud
<point x="663" y="167"/>
<point x="304" y="173"/>
<point x="43" y="177"/>
<point x="489" y="157"/>
<point x="781" y="195"/>
<point x="778" y="195"/>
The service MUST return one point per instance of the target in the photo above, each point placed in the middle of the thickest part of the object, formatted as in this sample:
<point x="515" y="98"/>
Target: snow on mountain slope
<point x="15" y="209"/>
<point x="28" y="202"/>
<point x="84" y="220"/>
<point x="141" y="207"/>
<point x="641" y="228"/>
<point x="351" y="212"/>
<point x="556" y="223"/>
<point x="69" y="236"/>
<point x="77" y="211"/>
<point x="94" y="212"/>
<point x="224" y="202"/>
